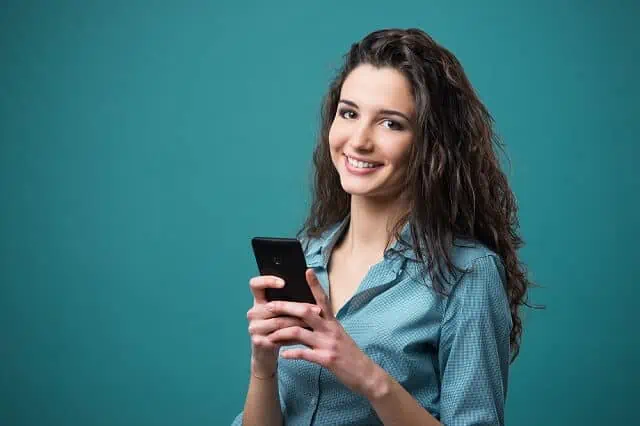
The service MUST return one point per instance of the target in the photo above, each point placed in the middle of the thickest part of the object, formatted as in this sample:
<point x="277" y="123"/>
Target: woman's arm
<point x="474" y="347"/>
<point x="393" y="404"/>
<point x="473" y="355"/>
<point x="262" y="405"/>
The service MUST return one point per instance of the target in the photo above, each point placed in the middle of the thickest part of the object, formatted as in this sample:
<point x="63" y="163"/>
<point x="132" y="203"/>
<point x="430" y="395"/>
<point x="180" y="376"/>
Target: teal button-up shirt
<point x="451" y="353"/>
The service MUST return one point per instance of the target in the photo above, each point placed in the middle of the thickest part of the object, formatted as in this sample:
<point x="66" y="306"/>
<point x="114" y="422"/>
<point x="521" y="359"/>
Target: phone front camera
<point x="277" y="260"/>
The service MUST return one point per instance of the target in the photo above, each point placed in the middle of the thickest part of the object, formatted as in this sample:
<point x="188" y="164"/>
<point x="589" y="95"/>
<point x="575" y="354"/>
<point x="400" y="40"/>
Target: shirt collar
<point x="399" y="255"/>
<point x="319" y="249"/>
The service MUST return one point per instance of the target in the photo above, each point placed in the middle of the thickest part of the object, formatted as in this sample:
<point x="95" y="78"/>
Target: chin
<point x="369" y="191"/>
<point x="357" y="193"/>
<point x="358" y="190"/>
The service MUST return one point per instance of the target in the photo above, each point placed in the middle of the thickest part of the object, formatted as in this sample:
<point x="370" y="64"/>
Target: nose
<point x="361" y="138"/>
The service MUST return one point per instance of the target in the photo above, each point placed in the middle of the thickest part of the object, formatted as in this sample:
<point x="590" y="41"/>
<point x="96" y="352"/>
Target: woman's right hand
<point x="262" y="322"/>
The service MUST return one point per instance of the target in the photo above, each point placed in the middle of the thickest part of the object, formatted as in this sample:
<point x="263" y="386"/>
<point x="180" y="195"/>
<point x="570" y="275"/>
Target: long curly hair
<point x="454" y="183"/>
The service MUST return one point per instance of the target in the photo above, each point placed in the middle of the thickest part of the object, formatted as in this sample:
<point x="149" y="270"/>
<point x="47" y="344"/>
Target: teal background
<point x="142" y="144"/>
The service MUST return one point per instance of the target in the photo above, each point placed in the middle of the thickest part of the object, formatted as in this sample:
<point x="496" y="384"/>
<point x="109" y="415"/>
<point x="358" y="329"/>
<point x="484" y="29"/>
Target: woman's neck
<point x="370" y="226"/>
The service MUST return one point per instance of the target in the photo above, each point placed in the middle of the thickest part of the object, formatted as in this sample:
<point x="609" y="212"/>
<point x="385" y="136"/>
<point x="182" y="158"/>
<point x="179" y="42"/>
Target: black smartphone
<point x="284" y="258"/>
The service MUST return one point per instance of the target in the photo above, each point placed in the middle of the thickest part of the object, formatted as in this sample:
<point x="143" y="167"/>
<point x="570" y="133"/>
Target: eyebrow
<point x="382" y="111"/>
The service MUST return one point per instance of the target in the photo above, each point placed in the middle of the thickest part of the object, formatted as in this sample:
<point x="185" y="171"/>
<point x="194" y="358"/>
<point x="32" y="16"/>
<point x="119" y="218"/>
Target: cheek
<point x="334" y="146"/>
<point x="398" y="152"/>
<point x="337" y="136"/>
<point x="405" y="156"/>
<point x="332" y="138"/>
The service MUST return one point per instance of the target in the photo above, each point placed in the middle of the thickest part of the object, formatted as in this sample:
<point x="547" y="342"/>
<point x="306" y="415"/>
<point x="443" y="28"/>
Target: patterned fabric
<point x="451" y="353"/>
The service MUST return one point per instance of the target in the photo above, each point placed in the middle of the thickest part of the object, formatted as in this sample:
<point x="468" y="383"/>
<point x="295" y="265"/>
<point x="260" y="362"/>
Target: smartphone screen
<point x="284" y="258"/>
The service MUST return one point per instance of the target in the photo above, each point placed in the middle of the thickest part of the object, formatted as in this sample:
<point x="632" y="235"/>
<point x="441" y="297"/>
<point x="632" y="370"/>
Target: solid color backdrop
<point x="143" y="143"/>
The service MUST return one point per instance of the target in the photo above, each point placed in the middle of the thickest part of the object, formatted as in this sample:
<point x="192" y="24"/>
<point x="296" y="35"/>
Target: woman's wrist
<point x="261" y="377"/>
<point x="263" y="372"/>
<point x="378" y="384"/>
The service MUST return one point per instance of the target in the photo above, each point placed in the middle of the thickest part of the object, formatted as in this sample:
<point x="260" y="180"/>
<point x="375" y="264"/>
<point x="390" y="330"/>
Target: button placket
<point x="315" y="400"/>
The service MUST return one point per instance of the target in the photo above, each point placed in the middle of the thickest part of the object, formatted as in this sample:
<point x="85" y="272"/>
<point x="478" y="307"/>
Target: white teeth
<point x="360" y="164"/>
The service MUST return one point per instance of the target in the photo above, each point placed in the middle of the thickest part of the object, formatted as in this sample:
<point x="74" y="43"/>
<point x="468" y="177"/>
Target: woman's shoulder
<point x="466" y="252"/>
<point x="467" y="257"/>
<point x="480" y="266"/>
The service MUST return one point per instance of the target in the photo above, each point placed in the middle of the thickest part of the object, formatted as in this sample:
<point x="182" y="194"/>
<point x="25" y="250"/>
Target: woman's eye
<point x="393" y="125"/>
<point x="343" y="112"/>
<point x="350" y="114"/>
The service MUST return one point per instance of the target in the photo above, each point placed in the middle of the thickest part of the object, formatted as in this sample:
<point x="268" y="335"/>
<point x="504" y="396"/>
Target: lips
<point x="361" y="162"/>
<point x="359" y="171"/>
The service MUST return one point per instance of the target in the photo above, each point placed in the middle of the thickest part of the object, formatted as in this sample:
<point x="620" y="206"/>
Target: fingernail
<point x="280" y="283"/>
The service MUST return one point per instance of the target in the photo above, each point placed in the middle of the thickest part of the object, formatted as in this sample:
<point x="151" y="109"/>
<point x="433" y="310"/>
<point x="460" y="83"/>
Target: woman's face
<point x="372" y="131"/>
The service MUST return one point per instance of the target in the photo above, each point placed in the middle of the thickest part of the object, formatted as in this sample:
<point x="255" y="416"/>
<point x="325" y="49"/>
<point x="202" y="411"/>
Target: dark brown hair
<point x="455" y="186"/>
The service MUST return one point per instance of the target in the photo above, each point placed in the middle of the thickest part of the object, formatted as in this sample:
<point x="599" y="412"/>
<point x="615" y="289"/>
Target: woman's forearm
<point x="393" y="404"/>
<point x="262" y="406"/>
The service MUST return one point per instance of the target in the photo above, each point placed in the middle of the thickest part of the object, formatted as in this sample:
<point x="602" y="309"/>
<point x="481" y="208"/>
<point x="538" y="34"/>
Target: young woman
<point x="411" y="245"/>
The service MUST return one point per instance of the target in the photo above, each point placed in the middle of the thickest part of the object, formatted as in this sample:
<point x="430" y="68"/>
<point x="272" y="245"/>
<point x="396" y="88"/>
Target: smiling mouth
<point x="361" y="164"/>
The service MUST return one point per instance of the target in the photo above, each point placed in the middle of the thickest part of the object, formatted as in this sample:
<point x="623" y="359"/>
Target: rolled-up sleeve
<point x="474" y="348"/>
<point x="237" y="421"/>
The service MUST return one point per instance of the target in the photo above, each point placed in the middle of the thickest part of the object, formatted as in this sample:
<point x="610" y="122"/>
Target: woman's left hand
<point x="328" y="344"/>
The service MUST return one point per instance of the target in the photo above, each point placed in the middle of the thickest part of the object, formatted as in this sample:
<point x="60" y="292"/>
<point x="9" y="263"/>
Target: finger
<point x="262" y="311"/>
<point x="318" y="293"/>
<point x="268" y="326"/>
<point x="262" y="343"/>
<point x="305" y="311"/>
<point x="262" y="282"/>
<point x="293" y="335"/>
<point x="302" y="353"/>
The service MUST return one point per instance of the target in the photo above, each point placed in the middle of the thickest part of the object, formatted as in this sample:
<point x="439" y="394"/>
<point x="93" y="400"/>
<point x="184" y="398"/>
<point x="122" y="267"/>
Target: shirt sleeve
<point x="238" y="419"/>
<point x="474" y="350"/>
